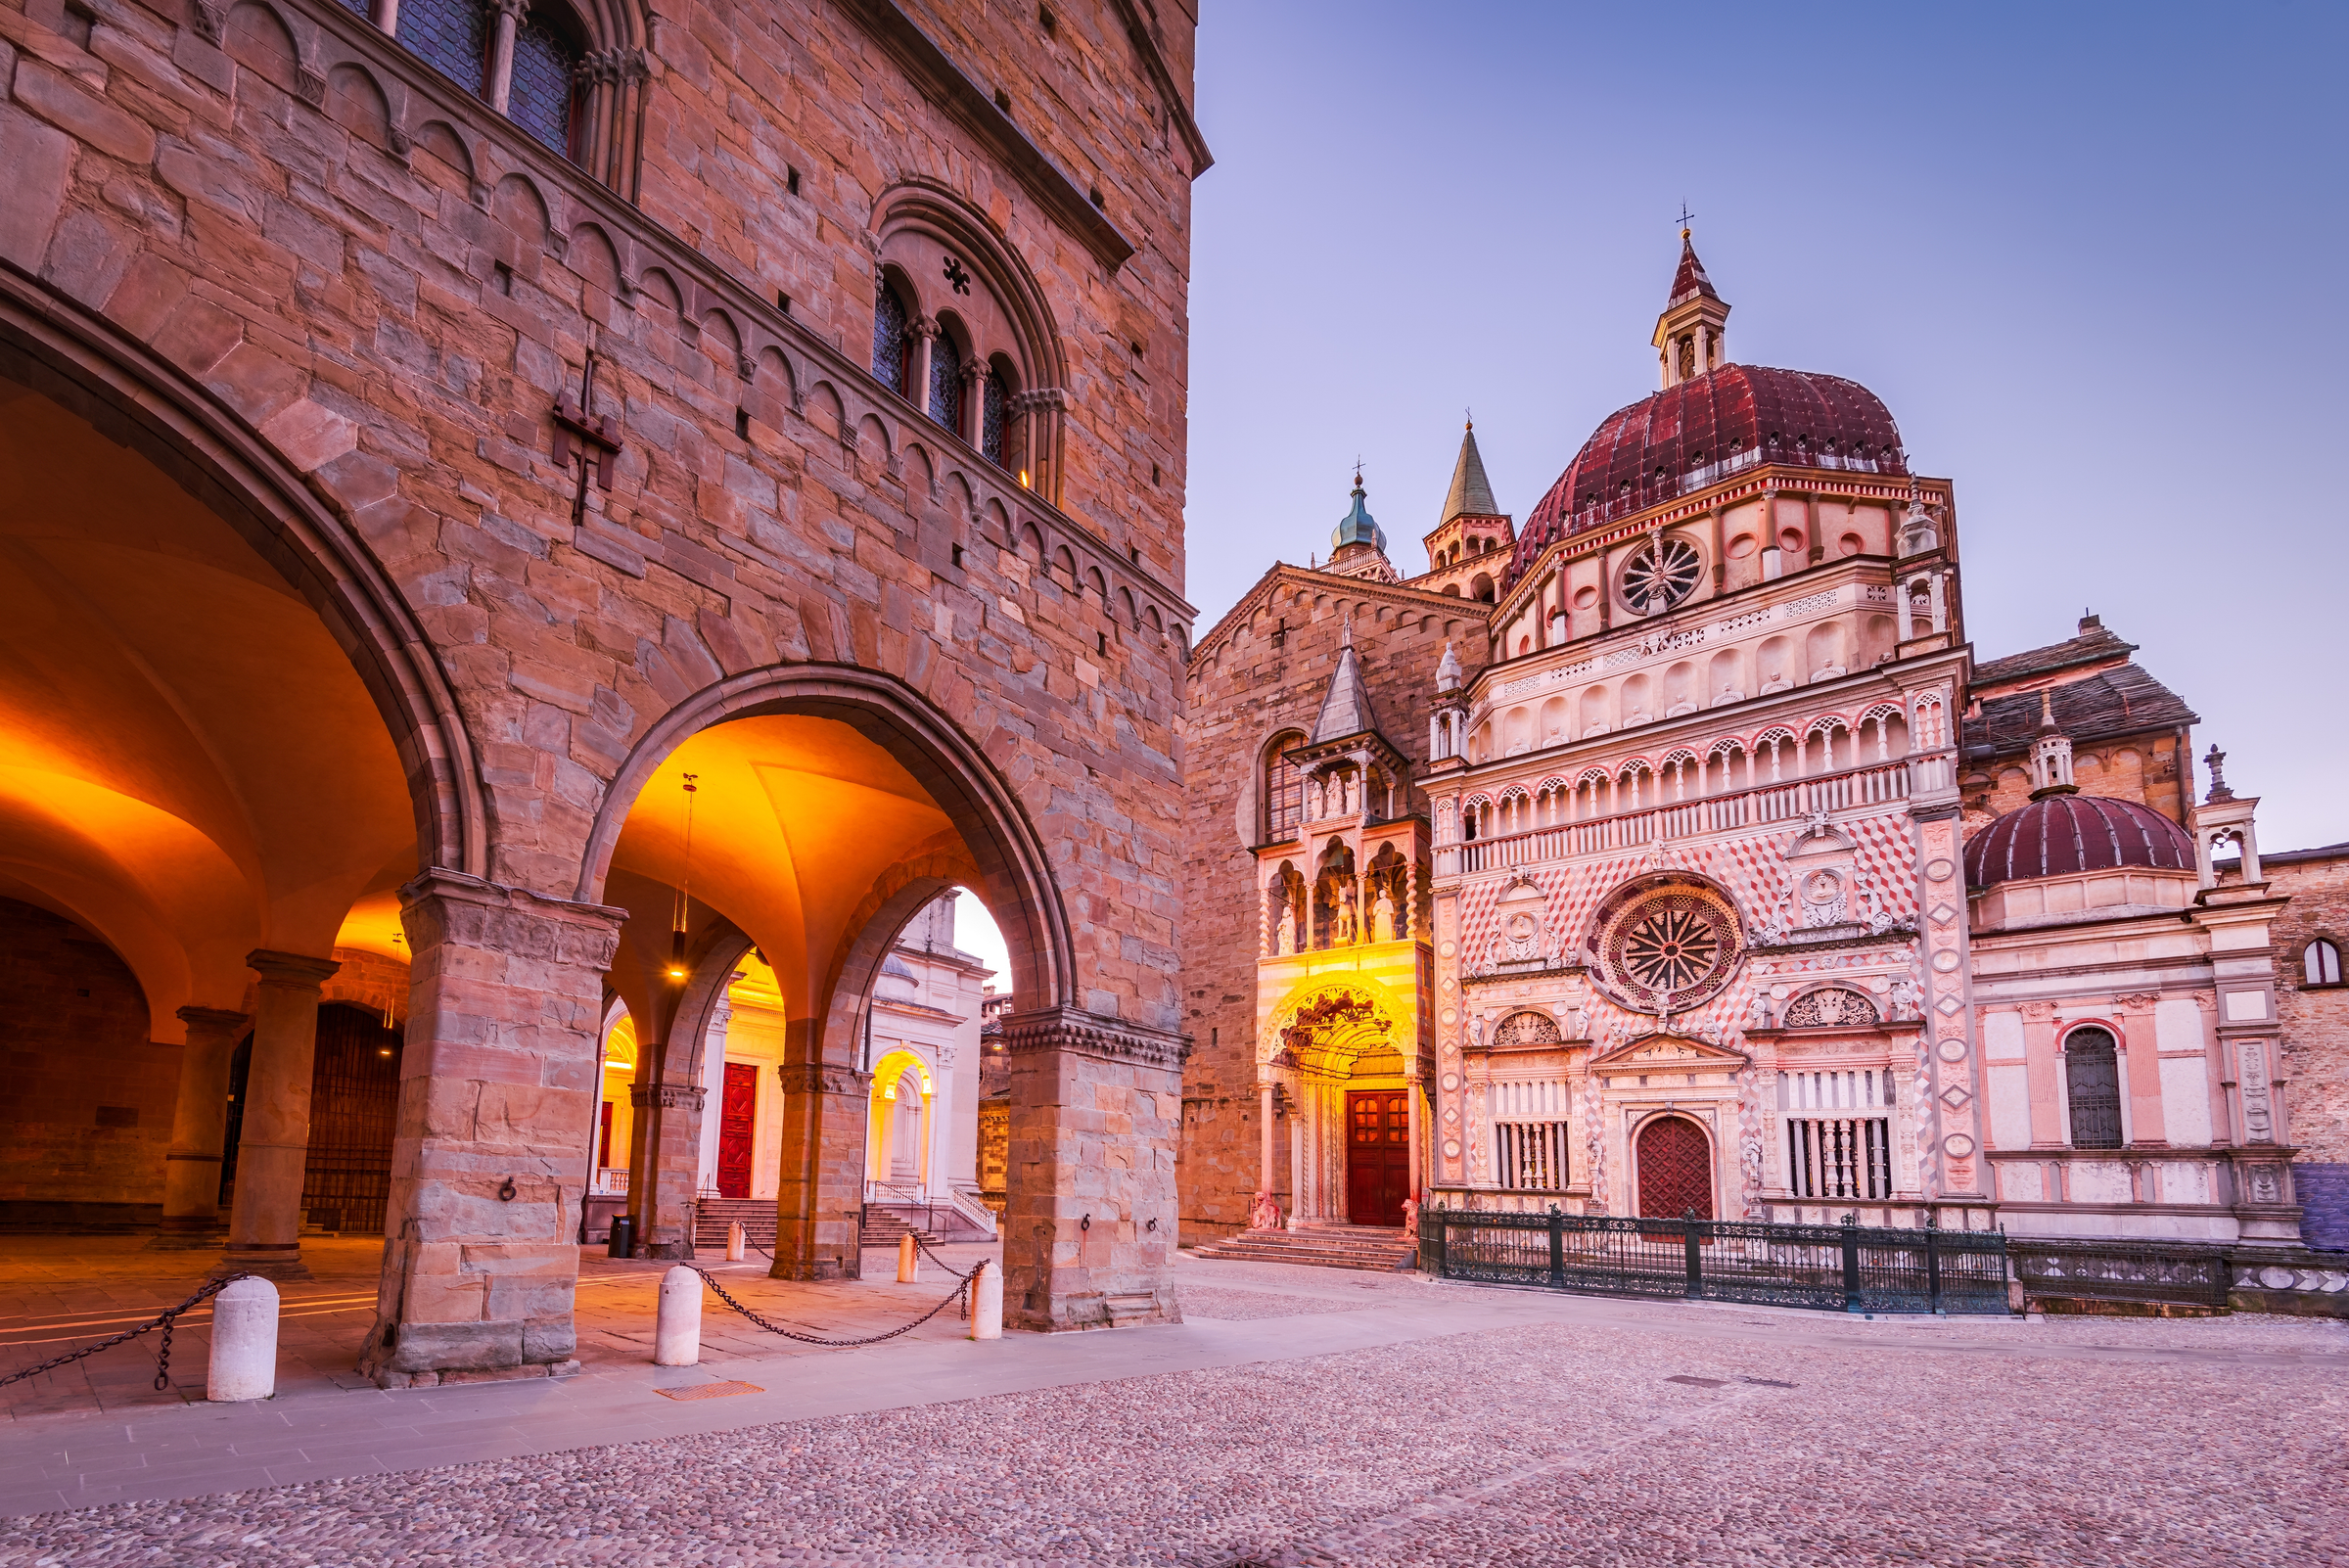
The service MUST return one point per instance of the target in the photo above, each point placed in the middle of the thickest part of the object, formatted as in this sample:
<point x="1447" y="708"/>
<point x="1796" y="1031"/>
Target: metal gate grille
<point x="355" y="1104"/>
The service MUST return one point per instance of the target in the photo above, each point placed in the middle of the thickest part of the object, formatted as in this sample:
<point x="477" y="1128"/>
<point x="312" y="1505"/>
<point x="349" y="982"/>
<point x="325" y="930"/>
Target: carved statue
<point x="1266" y="1216"/>
<point x="1345" y="933"/>
<point x="1760" y="1016"/>
<point x="1382" y="918"/>
<point x="1410" y="1219"/>
<point x="1907" y="997"/>
<point x="1285" y="938"/>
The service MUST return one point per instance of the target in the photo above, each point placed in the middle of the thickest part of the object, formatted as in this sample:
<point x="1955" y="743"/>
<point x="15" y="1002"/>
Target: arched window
<point x="1284" y="789"/>
<point x="945" y="382"/>
<point x="889" y="339"/>
<point x="2320" y="963"/>
<point x="2091" y="1078"/>
<point x="545" y="95"/>
<point x="994" y="411"/>
<point x="452" y="36"/>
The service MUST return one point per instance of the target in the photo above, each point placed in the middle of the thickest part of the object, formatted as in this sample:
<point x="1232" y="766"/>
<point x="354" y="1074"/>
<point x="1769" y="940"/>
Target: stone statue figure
<point x="1266" y="1216"/>
<point x="1345" y="916"/>
<point x="1382" y="918"/>
<point x="1285" y="938"/>
<point x="1410" y="1219"/>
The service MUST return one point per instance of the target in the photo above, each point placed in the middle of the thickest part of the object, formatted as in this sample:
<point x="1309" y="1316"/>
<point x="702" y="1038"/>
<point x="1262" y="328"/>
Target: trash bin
<point x="622" y="1243"/>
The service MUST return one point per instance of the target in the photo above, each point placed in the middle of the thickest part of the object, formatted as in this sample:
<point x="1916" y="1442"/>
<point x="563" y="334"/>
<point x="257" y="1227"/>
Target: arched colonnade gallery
<point x="260" y="832"/>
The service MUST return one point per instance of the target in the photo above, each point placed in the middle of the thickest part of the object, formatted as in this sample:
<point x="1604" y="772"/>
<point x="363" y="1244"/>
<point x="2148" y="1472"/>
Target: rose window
<point x="1666" y="947"/>
<point x="1661" y="575"/>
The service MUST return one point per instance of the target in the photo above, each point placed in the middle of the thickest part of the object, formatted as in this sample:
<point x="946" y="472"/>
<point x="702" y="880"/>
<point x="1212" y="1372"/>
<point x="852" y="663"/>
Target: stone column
<point x="665" y="1152"/>
<point x="199" y="1125"/>
<point x="1097" y="1114"/>
<point x="264" y="1227"/>
<point x="1266" y="1183"/>
<point x="499" y="1074"/>
<point x="819" y="1194"/>
<point x="499" y="87"/>
<point x="925" y="335"/>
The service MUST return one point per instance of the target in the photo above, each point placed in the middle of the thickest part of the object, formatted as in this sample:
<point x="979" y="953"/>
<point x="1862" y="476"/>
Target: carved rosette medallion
<point x="1665" y="945"/>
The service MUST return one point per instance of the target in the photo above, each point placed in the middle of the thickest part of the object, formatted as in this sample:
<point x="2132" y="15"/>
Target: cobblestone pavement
<point x="1619" y="1433"/>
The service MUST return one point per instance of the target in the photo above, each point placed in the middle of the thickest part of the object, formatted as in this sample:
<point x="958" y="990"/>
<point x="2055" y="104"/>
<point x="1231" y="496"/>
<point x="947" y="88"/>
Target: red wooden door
<point x="1676" y="1170"/>
<point x="1378" y="1155"/>
<point x="737" y="1111"/>
<point x="603" y="1143"/>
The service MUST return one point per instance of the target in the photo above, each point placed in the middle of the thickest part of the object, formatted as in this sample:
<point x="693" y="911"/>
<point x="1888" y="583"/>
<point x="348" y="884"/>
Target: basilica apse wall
<point x="868" y="515"/>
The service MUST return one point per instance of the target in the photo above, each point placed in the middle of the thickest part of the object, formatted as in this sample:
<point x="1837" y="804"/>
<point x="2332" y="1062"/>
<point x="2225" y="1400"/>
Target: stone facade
<point x="338" y="307"/>
<point x="2315" y="1016"/>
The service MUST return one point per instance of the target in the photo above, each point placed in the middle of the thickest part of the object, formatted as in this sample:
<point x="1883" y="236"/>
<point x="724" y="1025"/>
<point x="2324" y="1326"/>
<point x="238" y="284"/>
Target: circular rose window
<point x="1668" y="946"/>
<point x="1661" y="575"/>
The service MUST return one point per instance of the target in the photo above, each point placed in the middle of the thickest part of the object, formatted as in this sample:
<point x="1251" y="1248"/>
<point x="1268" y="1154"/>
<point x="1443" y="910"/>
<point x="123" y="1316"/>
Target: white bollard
<point x="907" y="1267"/>
<point x="737" y="1243"/>
<point x="677" y="1335"/>
<point x="986" y="1303"/>
<point x="243" y="1364"/>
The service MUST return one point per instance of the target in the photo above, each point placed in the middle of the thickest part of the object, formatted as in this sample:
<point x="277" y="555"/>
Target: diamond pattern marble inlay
<point x="1955" y="1096"/>
<point x="1943" y="915"/>
<point x="1948" y="1006"/>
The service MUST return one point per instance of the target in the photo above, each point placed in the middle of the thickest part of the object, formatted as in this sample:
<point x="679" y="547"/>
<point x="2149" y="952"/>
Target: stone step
<point x="712" y="1215"/>
<point x="881" y="1228"/>
<point x="1363" y="1247"/>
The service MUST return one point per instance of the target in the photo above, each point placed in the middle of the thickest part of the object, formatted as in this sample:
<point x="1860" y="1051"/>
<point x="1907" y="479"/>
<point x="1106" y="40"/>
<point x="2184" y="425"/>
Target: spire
<point x="1688" y="333"/>
<point x="1471" y="494"/>
<point x="1346" y="708"/>
<point x="1358" y="527"/>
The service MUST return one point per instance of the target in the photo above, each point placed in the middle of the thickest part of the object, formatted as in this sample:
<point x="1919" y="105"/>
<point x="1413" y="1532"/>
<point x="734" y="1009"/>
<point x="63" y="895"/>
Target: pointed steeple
<point x="1345" y="707"/>
<point x="1471" y="494"/>
<point x="1688" y="333"/>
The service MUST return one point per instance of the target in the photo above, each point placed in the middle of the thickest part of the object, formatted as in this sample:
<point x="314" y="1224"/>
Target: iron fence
<point x="2173" y="1273"/>
<point x="1846" y="1267"/>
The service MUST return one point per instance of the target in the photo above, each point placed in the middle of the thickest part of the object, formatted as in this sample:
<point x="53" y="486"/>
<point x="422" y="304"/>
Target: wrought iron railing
<point x="2175" y="1272"/>
<point x="1846" y="1267"/>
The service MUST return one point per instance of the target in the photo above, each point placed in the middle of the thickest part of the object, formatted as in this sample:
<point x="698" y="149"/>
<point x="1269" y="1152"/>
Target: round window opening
<point x="1666" y="947"/>
<point x="1661" y="575"/>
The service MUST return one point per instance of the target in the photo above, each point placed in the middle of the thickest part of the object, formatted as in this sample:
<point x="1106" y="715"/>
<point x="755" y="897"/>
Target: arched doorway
<point x="1676" y="1170"/>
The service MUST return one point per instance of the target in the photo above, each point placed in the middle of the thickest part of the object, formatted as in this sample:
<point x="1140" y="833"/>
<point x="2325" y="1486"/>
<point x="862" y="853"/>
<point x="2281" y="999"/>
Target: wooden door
<point x="737" y="1114"/>
<point x="1378" y="1155"/>
<point x="1676" y="1170"/>
<point x="603" y="1139"/>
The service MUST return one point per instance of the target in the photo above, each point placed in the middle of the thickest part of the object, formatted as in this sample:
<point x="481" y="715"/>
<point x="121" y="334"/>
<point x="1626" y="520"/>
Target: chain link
<point x="961" y="1293"/>
<point x="167" y="1320"/>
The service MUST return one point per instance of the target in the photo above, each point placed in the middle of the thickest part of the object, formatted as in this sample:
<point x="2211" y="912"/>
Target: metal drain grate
<point x="1765" y="1382"/>
<point x="1698" y="1382"/>
<point x="709" y="1391"/>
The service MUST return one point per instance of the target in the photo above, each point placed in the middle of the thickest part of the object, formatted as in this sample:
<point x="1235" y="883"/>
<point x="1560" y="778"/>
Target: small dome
<point x="1358" y="527"/>
<point x="2064" y="834"/>
<point x="1690" y="434"/>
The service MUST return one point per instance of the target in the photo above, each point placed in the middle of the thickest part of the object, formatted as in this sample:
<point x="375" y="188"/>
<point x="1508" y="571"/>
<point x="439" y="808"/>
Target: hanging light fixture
<point x="676" y="930"/>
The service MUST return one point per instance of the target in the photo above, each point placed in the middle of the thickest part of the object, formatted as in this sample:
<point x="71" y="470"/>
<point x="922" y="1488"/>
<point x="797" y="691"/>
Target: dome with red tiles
<point x="1704" y="429"/>
<point x="2065" y="835"/>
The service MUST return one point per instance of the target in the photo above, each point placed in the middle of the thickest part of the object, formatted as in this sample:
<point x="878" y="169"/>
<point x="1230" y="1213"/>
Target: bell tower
<point x="1689" y="334"/>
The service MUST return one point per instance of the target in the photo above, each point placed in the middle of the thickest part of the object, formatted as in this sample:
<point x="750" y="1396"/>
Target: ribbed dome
<point x="1709" y="426"/>
<point x="2064" y="834"/>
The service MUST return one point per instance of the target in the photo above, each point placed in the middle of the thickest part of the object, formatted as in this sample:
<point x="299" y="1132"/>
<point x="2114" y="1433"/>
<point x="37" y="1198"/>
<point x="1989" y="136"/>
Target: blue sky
<point x="2089" y="256"/>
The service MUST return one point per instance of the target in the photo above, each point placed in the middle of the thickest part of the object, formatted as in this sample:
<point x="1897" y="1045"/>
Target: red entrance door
<point x="1378" y="1156"/>
<point x="1676" y="1170"/>
<point x="736" y="1112"/>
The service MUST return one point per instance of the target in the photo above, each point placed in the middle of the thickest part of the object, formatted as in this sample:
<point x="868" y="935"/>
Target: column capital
<point x="220" y="1018"/>
<point x="290" y="968"/>
<point x="443" y="906"/>
<point x="1072" y="1029"/>
<point x="668" y="1097"/>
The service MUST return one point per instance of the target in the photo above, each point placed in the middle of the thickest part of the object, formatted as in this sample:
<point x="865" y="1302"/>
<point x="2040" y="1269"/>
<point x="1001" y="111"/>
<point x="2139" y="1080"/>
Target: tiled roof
<point x="2094" y="645"/>
<point x="1690" y="281"/>
<point x="1346" y="708"/>
<point x="2104" y="706"/>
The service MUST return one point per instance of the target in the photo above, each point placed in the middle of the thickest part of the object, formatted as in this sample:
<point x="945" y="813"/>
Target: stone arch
<point x="133" y="396"/>
<point x="921" y="206"/>
<point x="1355" y="1010"/>
<point x="1673" y="1136"/>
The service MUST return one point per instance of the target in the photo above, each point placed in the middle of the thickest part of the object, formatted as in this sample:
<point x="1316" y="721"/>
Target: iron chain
<point x="166" y="1321"/>
<point x="960" y="1293"/>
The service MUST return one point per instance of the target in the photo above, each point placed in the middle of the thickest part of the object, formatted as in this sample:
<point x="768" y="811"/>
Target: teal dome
<point x="1358" y="527"/>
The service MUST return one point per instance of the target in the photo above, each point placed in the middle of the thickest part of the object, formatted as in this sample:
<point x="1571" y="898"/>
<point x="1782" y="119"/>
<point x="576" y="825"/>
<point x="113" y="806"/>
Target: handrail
<point x="1877" y="783"/>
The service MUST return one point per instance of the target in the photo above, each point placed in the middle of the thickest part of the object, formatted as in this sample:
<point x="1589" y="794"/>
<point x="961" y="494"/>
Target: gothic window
<point x="544" y="100"/>
<point x="452" y="36"/>
<point x="995" y="409"/>
<point x="945" y="382"/>
<point x="890" y="337"/>
<point x="2092" y="1079"/>
<point x="2320" y="963"/>
<point x="1830" y="1006"/>
<point x="1662" y="575"/>
<point x="1285" y="790"/>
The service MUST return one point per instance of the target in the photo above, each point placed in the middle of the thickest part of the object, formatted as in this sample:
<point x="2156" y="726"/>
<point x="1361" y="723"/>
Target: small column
<point x="1268" y="1179"/>
<point x="499" y="87"/>
<point x="1935" y="597"/>
<point x="974" y="400"/>
<point x="917" y="380"/>
<point x="198" y="1126"/>
<point x="264" y="1228"/>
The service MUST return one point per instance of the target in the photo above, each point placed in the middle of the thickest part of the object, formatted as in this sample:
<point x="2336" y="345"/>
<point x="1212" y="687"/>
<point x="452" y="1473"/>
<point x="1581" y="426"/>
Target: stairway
<point x="1381" y="1248"/>
<point x="883" y="1226"/>
<point x="712" y="1215"/>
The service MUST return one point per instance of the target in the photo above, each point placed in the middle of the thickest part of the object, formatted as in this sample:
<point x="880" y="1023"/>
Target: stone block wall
<point x="2316" y="1035"/>
<point x="1244" y="688"/>
<point x="91" y="1096"/>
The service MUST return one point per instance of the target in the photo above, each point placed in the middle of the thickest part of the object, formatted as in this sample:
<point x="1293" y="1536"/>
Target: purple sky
<point x="2090" y="255"/>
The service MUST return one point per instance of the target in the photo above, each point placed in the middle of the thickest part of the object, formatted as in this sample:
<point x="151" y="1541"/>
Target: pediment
<point x="1670" y="1053"/>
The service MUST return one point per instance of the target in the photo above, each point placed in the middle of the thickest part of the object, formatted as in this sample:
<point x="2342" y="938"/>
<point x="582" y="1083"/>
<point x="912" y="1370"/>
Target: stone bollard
<point x="243" y="1364"/>
<point x="677" y="1336"/>
<point x="987" y="1302"/>
<point x="737" y="1242"/>
<point x="908" y="1271"/>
